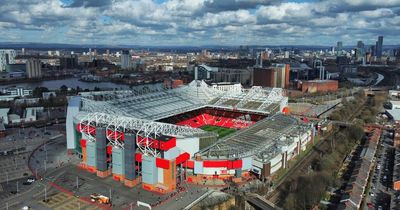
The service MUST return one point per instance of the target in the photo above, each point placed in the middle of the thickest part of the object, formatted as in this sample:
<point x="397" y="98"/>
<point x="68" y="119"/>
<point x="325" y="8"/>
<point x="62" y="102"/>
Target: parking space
<point x="63" y="201"/>
<point x="15" y="150"/>
<point x="381" y="185"/>
<point x="122" y="196"/>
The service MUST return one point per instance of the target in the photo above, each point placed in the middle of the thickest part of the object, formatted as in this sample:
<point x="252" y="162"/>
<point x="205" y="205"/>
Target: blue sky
<point x="200" y="22"/>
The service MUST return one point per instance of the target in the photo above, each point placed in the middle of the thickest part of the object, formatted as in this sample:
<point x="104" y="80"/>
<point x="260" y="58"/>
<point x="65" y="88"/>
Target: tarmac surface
<point x="381" y="191"/>
<point x="62" y="185"/>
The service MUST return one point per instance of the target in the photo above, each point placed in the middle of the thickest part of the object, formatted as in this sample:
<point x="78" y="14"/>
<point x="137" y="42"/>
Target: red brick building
<point x="313" y="86"/>
<point x="273" y="76"/>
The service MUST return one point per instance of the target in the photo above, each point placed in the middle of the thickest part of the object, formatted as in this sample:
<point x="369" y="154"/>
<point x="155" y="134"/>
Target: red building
<point x="313" y="86"/>
<point x="273" y="76"/>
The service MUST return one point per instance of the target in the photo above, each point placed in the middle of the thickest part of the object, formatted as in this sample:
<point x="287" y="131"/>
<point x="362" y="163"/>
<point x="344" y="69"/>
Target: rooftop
<point x="157" y="103"/>
<point x="265" y="139"/>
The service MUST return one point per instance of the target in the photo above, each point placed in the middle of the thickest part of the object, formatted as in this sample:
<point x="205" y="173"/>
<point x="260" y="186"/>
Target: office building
<point x="223" y="75"/>
<point x="287" y="54"/>
<point x="276" y="76"/>
<point x="125" y="59"/>
<point x="379" y="46"/>
<point x="339" y="48"/>
<point x="243" y="51"/>
<point x="33" y="68"/>
<point x="373" y="51"/>
<point x="6" y="57"/>
<point x="360" y="51"/>
<point x="360" y="44"/>
<point x="69" y="62"/>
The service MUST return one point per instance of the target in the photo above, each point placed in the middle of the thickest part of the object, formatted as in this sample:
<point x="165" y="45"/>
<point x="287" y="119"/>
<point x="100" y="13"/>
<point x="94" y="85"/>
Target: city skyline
<point x="200" y="22"/>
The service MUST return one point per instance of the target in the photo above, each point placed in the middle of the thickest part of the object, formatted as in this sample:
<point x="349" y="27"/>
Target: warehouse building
<point x="318" y="86"/>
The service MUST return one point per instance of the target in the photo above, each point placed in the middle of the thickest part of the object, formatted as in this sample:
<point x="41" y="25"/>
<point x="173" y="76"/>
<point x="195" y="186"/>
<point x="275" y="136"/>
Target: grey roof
<point x="265" y="139"/>
<point x="161" y="103"/>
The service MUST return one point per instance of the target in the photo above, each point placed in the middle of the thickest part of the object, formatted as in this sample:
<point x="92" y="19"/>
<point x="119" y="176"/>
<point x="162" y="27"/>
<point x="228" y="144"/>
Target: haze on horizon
<point x="200" y="22"/>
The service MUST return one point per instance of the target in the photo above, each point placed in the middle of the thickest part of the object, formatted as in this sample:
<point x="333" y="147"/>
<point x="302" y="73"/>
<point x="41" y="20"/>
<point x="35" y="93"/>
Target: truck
<point x="99" y="198"/>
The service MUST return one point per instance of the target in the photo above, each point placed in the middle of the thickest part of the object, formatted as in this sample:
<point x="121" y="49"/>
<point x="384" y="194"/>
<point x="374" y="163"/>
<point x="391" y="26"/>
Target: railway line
<point x="302" y="166"/>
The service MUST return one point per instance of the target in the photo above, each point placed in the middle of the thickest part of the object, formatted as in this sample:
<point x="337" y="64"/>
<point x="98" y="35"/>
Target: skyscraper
<point x="339" y="48"/>
<point x="378" y="48"/>
<point x="360" y="51"/>
<point x="125" y="59"/>
<point x="33" y="68"/>
<point x="6" y="57"/>
<point x="360" y="44"/>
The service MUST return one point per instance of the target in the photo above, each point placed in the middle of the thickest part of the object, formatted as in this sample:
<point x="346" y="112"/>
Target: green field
<point x="219" y="130"/>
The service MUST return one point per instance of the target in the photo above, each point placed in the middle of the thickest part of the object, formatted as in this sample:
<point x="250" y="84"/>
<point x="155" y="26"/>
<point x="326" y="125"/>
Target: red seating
<point x="207" y="119"/>
<point x="215" y="117"/>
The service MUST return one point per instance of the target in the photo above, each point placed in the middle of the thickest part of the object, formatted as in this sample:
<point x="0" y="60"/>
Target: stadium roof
<point x="126" y="124"/>
<point x="264" y="140"/>
<point x="156" y="103"/>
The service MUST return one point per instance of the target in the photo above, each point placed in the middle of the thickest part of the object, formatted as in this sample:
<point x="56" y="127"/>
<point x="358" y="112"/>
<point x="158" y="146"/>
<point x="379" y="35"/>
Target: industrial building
<point x="221" y="74"/>
<point x="154" y="137"/>
<point x="316" y="86"/>
<point x="34" y="68"/>
<point x="9" y="94"/>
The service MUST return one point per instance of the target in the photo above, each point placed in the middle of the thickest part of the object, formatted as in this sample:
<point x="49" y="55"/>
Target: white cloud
<point x="198" y="21"/>
<point x="285" y="12"/>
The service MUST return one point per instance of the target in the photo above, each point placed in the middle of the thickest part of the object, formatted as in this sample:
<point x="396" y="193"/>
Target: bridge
<point x="341" y="123"/>
<point x="260" y="203"/>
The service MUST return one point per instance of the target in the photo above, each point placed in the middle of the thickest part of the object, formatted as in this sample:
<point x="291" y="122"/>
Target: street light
<point x="45" y="193"/>
<point x="77" y="182"/>
<point x="45" y="149"/>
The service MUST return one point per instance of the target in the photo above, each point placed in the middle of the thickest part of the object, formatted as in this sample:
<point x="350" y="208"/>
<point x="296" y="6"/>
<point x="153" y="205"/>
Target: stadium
<point x="159" y="137"/>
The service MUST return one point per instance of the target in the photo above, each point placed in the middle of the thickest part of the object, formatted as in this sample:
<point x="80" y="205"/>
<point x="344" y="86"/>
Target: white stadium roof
<point x="158" y="103"/>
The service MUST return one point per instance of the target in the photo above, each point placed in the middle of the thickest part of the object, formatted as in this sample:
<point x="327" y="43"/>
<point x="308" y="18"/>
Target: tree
<point x="290" y="202"/>
<point x="64" y="89"/>
<point x="38" y="91"/>
<point x="51" y="99"/>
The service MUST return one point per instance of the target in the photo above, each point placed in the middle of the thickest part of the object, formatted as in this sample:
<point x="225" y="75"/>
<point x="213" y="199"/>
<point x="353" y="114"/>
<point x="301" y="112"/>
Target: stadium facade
<point x="153" y="135"/>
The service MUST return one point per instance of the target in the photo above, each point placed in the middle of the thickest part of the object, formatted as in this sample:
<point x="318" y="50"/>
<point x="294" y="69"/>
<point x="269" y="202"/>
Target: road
<point x="381" y="183"/>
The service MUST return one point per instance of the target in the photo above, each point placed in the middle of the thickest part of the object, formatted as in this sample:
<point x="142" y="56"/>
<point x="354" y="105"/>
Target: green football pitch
<point x="219" y="130"/>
